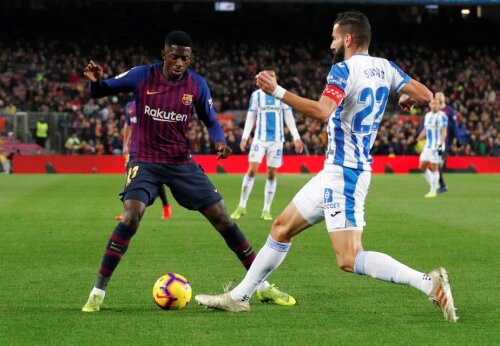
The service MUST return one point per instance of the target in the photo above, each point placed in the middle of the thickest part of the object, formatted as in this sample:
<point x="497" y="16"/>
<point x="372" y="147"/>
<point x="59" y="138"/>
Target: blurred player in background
<point x="130" y="122"/>
<point x="435" y="129"/>
<point x="166" y="95"/>
<point x="269" y="113"/>
<point x="353" y="102"/>
<point x="452" y="133"/>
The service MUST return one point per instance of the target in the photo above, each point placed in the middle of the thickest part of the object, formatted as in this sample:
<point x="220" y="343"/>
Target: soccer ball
<point x="172" y="292"/>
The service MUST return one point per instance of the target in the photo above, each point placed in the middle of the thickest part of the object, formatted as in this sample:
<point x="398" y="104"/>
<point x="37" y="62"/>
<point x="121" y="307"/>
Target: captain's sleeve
<point x="122" y="83"/>
<point x="206" y="113"/>
<point x="399" y="77"/>
<point x="336" y="82"/>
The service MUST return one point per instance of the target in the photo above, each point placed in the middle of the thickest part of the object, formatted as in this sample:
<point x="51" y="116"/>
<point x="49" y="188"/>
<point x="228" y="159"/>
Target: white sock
<point x="269" y="258"/>
<point x="383" y="267"/>
<point x="263" y="285"/>
<point x="434" y="181"/>
<point x="428" y="176"/>
<point x="98" y="291"/>
<point x="269" y="192"/>
<point x="246" y="189"/>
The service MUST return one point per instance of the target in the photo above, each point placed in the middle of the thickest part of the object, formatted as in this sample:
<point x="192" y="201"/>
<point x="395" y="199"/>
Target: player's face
<point x="440" y="99"/>
<point x="177" y="60"/>
<point x="337" y="46"/>
<point x="434" y="105"/>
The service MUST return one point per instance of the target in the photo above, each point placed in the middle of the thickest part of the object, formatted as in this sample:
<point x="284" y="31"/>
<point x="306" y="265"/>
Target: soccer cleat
<point x="167" y="212"/>
<point x="119" y="217"/>
<point x="239" y="212"/>
<point x="266" y="215"/>
<point x="441" y="294"/>
<point x="222" y="302"/>
<point x="431" y="195"/>
<point x="443" y="189"/>
<point x="93" y="304"/>
<point x="273" y="295"/>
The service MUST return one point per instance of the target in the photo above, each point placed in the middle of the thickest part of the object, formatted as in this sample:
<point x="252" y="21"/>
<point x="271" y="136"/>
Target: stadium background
<point x="40" y="67"/>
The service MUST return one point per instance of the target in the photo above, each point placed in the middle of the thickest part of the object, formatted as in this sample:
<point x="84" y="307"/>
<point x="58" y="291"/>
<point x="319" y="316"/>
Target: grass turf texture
<point x="53" y="229"/>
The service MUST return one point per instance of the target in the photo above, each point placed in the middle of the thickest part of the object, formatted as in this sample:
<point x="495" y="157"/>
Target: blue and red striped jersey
<point x="163" y="109"/>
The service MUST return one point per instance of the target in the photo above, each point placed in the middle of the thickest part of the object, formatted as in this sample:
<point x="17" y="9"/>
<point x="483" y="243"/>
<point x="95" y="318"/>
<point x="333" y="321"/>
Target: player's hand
<point x="243" y="145"/>
<point x="222" y="150"/>
<point x="299" y="146"/>
<point x="266" y="83"/>
<point x="406" y="102"/>
<point x="93" y="72"/>
<point x="441" y="148"/>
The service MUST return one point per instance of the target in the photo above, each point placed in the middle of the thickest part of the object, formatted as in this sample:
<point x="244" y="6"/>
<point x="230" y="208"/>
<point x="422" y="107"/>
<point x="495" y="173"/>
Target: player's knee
<point x="251" y="173"/>
<point x="132" y="217"/>
<point x="280" y="231"/>
<point x="271" y="174"/>
<point x="218" y="217"/>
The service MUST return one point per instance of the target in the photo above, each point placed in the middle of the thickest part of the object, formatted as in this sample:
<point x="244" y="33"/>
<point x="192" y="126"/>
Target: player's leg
<point x="269" y="192"/>
<point x="345" y="235"/>
<point x="442" y="164"/>
<point x="424" y="166"/>
<point x="274" y="161"/>
<point x="305" y="210"/>
<point x="246" y="189"/>
<point x="167" y="210"/>
<point x="434" y="177"/>
<point x="140" y="191"/>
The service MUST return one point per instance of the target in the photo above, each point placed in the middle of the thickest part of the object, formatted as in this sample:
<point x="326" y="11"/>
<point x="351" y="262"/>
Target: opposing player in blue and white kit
<point x="353" y="103"/>
<point x="435" y="130"/>
<point x="268" y="113"/>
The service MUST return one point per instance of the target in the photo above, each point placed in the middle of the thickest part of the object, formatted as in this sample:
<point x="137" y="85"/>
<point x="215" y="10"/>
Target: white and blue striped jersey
<point x="362" y="85"/>
<point x="268" y="113"/>
<point x="434" y="123"/>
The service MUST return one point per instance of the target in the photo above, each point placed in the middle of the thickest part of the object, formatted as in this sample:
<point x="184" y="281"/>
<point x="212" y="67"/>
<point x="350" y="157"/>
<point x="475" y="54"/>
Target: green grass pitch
<point x="53" y="229"/>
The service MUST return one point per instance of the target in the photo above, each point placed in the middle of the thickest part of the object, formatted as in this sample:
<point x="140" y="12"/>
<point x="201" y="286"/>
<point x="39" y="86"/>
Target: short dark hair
<point x="178" y="38"/>
<point x="356" y="24"/>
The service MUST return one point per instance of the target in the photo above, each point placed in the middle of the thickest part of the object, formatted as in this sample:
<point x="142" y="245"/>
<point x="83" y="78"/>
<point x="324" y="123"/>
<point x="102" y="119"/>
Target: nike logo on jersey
<point x="335" y="214"/>
<point x="152" y="92"/>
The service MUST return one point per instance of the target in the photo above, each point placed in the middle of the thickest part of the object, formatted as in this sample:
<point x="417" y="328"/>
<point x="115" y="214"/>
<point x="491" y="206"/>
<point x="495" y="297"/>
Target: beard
<point x="339" y="55"/>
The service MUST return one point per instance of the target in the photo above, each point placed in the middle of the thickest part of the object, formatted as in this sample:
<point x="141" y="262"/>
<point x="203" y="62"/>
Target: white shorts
<point x="430" y="155"/>
<point x="273" y="150"/>
<point x="336" y="194"/>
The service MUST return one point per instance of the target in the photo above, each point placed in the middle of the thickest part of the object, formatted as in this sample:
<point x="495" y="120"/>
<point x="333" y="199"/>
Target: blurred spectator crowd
<point x="46" y="77"/>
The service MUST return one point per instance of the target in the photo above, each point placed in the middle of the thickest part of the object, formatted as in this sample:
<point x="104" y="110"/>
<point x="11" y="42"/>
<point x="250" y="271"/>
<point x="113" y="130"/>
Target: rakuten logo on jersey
<point x="159" y="115"/>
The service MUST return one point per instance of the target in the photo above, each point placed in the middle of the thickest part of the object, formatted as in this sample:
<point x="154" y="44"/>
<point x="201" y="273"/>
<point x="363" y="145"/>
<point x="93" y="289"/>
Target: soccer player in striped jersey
<point x="130" y="122"/>
<point x="166" y="95"/>
<point x="353" y="103"/>
<point x="268" y="113"/>
<point x="435" y="130"/>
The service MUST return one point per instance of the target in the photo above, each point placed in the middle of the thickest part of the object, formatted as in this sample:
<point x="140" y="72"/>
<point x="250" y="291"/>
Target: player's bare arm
<point x="321" y="109"/>
<point x="93" y="72"/>
<point x="412" y="93"/>
<point x="422" y="135"/>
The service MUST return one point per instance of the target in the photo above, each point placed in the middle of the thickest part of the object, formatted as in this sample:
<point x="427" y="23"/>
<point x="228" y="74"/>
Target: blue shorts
<point x="188" y="183"/>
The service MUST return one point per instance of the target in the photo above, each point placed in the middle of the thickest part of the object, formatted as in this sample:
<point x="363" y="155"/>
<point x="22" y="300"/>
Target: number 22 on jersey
<point x="364" y="121"/>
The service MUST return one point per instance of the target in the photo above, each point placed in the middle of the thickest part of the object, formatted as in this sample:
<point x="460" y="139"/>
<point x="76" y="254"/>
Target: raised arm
<point x="125" y="82"/>
<point x="321" y="109"/>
